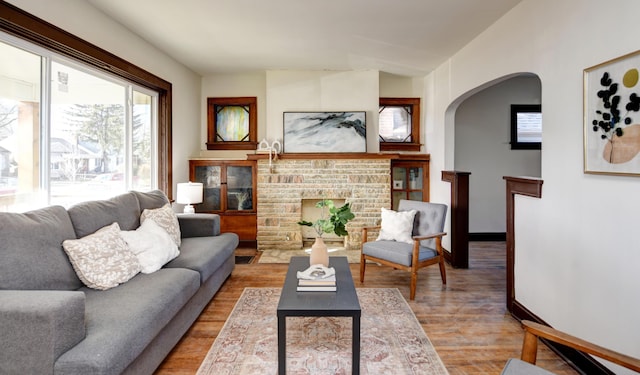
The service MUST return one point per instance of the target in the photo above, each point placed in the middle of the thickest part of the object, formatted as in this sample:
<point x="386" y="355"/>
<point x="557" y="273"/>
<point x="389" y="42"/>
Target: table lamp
<point x="189" y="193"/>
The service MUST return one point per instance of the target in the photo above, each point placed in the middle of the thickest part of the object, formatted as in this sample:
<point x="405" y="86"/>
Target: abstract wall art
<point x="612" y="116"/>
<point x="325" y="132"/>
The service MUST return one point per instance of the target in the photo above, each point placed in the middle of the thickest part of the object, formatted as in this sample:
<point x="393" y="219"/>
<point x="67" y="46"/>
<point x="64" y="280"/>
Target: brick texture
<point x="365" y="184"/>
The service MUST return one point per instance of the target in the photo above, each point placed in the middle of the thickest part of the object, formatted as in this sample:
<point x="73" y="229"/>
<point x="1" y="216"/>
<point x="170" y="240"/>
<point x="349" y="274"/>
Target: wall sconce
<point x="272" y="149"/>
<point x="189" y="193"/>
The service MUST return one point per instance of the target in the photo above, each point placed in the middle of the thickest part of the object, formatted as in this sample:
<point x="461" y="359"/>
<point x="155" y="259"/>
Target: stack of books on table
<point x="326" y="284"/>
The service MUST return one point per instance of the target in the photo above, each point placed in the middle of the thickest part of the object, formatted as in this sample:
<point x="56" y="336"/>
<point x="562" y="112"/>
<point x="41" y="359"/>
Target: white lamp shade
<point x="189" y="193"/>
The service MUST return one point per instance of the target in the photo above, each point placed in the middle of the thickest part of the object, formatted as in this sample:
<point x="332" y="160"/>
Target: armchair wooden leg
<point x="443" y="273"/>
<point x="529" y="348"/>
<point x="414" y="283"/>
<point x="363" y="265"/>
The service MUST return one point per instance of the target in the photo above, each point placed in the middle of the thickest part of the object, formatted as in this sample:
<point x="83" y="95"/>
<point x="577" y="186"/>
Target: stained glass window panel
<point x="232" y="123"/>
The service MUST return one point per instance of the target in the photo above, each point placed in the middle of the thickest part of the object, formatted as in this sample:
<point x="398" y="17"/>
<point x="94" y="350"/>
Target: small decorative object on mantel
<point x="335" y="223"/>
<point x="317" y="278"/>
<point x="273" y="149"/>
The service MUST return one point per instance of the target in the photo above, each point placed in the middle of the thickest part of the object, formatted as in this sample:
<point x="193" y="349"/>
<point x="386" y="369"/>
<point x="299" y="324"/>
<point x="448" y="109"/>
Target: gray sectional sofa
<point x="50" y="323"/>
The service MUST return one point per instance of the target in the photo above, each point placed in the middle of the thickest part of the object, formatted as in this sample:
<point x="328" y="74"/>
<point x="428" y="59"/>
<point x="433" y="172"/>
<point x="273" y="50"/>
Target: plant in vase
<point x="334" y="222"/>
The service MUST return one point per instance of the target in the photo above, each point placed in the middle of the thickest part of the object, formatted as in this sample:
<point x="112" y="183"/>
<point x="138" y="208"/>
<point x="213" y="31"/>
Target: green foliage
<point x="335" y="223"/>
<point x="102" y="124"/>
<point x="8" y="118"/>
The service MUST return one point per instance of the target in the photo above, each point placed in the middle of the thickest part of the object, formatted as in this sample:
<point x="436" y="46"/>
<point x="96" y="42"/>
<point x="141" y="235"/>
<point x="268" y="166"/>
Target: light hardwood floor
<point x="466" y="320"/>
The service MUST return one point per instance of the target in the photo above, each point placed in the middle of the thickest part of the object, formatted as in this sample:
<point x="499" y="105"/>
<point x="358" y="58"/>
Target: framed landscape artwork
<point x="612" y="117"/>
<point x="324" y="132"/>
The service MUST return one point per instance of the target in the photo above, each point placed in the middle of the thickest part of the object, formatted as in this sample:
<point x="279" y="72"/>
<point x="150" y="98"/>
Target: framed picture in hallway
<point x="324" y="132"/>
<point x="612" y="116"/>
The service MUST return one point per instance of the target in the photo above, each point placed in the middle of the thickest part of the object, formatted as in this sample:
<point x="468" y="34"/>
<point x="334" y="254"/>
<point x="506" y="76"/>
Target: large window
<point x="69" y="132"/>
<point x="53" y="155"/>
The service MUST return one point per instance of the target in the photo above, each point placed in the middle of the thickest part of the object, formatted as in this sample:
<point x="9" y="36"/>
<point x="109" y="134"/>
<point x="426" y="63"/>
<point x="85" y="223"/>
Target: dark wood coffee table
<point x="343" y="302"/>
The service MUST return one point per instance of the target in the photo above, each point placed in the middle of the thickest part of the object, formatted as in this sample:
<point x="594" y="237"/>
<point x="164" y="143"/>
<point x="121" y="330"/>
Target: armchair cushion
<point x="516" y="366"/>
<point x="430" y="218"/>
<point x="396" y="226"/>
<point x="396" y="252"/>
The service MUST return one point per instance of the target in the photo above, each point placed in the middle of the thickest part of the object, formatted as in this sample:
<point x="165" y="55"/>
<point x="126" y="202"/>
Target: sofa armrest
<point x="199" y="225"/>
<point x="36" y="327"/>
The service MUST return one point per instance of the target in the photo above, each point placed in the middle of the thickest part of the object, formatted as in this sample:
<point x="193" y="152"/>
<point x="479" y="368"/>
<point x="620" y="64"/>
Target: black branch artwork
<point x="609" y="122"/>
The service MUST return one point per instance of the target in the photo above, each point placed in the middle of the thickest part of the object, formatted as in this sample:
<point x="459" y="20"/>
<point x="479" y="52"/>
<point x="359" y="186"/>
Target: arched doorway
<point x="479" y="123"/>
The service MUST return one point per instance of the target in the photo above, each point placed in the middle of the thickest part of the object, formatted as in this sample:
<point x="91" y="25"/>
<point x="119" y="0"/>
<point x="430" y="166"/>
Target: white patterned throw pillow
<point x="166" y="219"/>
<point x="102" y="260"/>
<point x="396" y="225"/>
<point x="152" y="245"/>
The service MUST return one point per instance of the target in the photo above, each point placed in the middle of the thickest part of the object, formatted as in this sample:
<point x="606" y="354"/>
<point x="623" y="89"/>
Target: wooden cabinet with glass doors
<point x="230" y="191"/>
<point x="409" y="180"/>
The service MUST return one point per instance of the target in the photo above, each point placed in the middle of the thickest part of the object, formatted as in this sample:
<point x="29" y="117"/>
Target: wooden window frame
<point x="17" y="22"/>
<point x="212" y="141"/>
<point x="415" y="144"/>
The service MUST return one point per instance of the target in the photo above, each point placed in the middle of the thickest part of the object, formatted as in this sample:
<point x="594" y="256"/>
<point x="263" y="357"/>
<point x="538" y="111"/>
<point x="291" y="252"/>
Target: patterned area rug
<point x="284" y="256"/>
<point x="392" y="340"/>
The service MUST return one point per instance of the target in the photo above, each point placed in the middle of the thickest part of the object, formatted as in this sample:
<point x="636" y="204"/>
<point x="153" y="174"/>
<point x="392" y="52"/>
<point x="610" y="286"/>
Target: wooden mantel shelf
<point x="355" y="155"/>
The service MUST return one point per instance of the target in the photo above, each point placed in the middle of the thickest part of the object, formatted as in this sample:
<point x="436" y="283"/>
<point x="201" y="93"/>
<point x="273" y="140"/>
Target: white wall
<point x="395" y="86"/>
<point x="577" y="252"/>
<point x="279" y="91"/>
<point x="482" y="136"/>
<point x="81" y="19"/>
<point x="322" y="91"/>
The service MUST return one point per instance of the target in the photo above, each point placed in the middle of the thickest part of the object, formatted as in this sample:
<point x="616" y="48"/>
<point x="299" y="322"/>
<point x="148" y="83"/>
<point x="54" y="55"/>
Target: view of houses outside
<point x="95" y="135"/>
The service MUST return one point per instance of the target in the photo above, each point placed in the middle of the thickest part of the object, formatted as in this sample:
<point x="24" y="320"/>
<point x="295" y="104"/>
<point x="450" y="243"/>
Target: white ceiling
<point x="405" y="37"/>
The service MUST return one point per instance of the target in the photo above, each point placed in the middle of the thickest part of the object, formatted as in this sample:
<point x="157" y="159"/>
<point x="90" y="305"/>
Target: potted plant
<point x="335" y="222"/>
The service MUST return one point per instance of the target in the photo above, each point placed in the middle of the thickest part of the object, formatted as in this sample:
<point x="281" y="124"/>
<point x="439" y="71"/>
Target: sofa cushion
<point x="31" y="255"/>
<point x="88" y="217"/>
<point x="122" y="321"/>
<point x="102" y="259"/>
<point x="151" y="199"/>
<point x="151" y="244"/>
<point x="205" y="254"/>
<point x="166" y="219"/>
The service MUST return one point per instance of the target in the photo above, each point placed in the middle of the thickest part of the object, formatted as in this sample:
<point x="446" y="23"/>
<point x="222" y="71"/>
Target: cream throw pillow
<point x="166" y="219"/>
<point x="152" y="245"/>
<point x="102" y="260"/>
<point x="396" y="226"/>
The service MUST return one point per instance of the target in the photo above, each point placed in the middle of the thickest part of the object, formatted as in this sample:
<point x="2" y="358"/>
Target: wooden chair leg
<point x="363" y="265"/>
<point x="443" y="273"/>
<point x="414" y="283"/>
<point x="529" y="348"/>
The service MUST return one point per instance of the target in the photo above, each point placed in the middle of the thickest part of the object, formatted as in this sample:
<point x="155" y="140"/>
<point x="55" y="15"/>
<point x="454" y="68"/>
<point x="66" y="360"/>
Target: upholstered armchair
<point x="408" y="239"/>
<point x="526" y="364"/>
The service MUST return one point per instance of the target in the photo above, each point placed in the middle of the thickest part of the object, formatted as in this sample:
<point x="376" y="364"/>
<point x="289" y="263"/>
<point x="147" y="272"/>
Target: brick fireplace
<point x="362" y="182"/>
